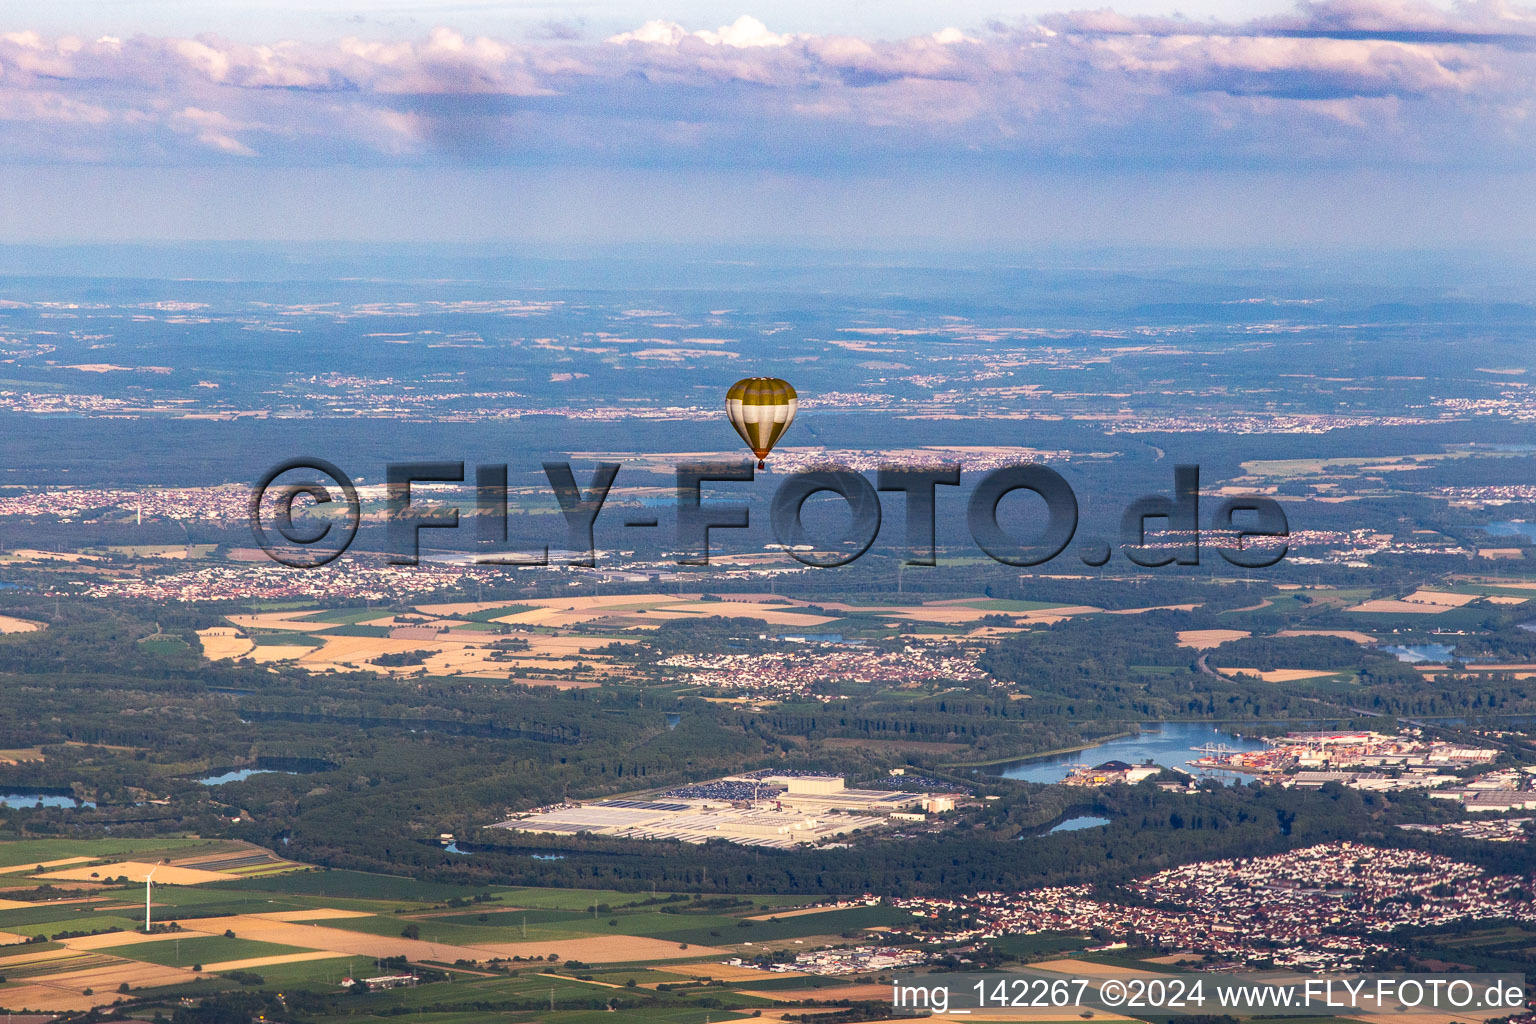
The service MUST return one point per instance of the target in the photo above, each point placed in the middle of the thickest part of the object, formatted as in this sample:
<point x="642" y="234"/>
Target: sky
<point x="1369" y="123"/>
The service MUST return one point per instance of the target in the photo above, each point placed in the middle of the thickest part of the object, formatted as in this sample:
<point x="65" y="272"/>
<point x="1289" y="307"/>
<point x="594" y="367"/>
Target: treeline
<point x="1320" y="652"/>
<point x="1149" y="830"/>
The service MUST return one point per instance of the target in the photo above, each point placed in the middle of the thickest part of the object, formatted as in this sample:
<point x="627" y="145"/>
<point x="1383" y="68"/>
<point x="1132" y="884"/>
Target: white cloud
<point x="1366" y="82"/>
<point x="745" y="31"/>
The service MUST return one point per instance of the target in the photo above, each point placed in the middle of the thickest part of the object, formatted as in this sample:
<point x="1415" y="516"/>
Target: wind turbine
<point x="148" y="882"/>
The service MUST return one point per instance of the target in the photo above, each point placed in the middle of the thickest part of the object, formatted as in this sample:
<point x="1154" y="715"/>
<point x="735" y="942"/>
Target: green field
<point x="344" y="616"/>
<point x="1043" y="944"/>
<point x="489" y="614"/>
<point x="285" y="639"/>
<point x="31" y="852"/>
<point x="356" y="884"/>
<point x="442" y="929"/>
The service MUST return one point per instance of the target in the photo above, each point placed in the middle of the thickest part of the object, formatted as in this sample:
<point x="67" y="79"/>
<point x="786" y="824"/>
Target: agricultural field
<point x="569" y="643"/>
<point x="74" y="942"/>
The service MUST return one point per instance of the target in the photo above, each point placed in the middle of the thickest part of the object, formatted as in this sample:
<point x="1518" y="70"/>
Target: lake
<point x="1168" y="744"/>
<point x="46" y="799"/>
<point x="240" y="775"/>
<point x="1413" y="654"/>
<point x="1513" y="528"/>
<point x="1080" y="822"/>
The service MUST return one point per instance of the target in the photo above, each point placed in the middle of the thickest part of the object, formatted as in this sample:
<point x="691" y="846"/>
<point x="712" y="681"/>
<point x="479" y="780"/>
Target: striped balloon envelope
<point x="761" y="409"/>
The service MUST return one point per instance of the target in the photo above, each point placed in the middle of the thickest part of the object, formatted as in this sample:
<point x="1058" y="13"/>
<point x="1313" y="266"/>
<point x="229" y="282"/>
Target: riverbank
<point x="1109" y="738"/>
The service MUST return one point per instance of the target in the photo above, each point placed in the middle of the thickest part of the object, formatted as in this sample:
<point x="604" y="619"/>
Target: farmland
<point x="306" y="930"/>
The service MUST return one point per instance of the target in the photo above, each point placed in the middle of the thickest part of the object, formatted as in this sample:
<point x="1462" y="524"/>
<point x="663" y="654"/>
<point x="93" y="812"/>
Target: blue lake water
<point x="1080" y="822"/>
<point x="240" y="776"/>
<point x="672" y="721"/>
<point x="454" y="848"/>
<point x="1416" y="653"/>
<point x="1168" y="744"/>
<point x="33" y="799"/>
<point x="1513" y="528"/>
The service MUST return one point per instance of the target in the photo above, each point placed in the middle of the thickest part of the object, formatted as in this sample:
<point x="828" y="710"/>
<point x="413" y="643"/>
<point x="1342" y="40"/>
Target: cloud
<point x="1334" y="82"/>
<point x="745" y="32"/>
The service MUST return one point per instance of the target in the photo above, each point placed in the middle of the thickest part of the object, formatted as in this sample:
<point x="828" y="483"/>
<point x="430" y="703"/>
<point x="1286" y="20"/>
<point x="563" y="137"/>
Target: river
<point x="1168" y="744"/>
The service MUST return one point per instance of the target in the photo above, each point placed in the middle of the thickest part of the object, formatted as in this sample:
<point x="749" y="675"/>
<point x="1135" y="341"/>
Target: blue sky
<point x="1335" y="122"/>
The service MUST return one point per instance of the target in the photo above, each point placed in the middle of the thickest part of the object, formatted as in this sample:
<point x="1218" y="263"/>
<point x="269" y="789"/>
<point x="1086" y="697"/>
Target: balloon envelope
<point x="761" y="409"/>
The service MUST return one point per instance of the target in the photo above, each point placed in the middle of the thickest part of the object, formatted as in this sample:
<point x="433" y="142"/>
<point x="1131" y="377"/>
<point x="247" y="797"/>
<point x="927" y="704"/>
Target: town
<point x="1326" y="907"/>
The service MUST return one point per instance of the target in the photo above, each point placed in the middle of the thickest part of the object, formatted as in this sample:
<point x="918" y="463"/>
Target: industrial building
<point x="764" y="809"/>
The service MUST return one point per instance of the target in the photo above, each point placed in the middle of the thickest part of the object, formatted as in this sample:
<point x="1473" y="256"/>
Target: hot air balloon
<point x="761" y="409"/>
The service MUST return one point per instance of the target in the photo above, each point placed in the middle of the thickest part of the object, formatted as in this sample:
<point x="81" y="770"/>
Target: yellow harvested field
<point x="462" y="608"/>
<point x="281" y="620"/>
<point x="1206" y="639"/>
<point x="531" y="617"/>
<point x="1279" y="675"/>
<point x="111" y="940"/>
<point x="600" y="601"/>
<point x="105" y="979"/>
<point x="350" y="652"/>
<point x="804" y="911"/>
<point x="11" y="624"/>
<point x="1505" y="599"/>
<point x="11" y="938"/>
<point x="605" y="949"/>
<point x="263" y="653"/>
<point x="543" y="643"/>
<point x="335" y="940"/>
<point x="137" y="871"/>
<point x="571" y="611"/>
<point x="1440" y="597"/>
<point x="599" y="949"/>
<point x="218" y="646"/>
<point x="1089" y="969"/>
<point x="35" y="958"/>
<point x="1391" y="607"/>
<point x="837" y="992"/>
<point x="1343" y="634"/>
<point x="776" y="613"/>
<point x="953" y="614"/>
<point x="477" y="661"/>
<point x="34" y="555"/>
<point x="33" y="996"/>
<point x="317" y="914"/>
<point x="728" y="972"/>
<point x="270" y="961"/>
<point x="462" y="652"/>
